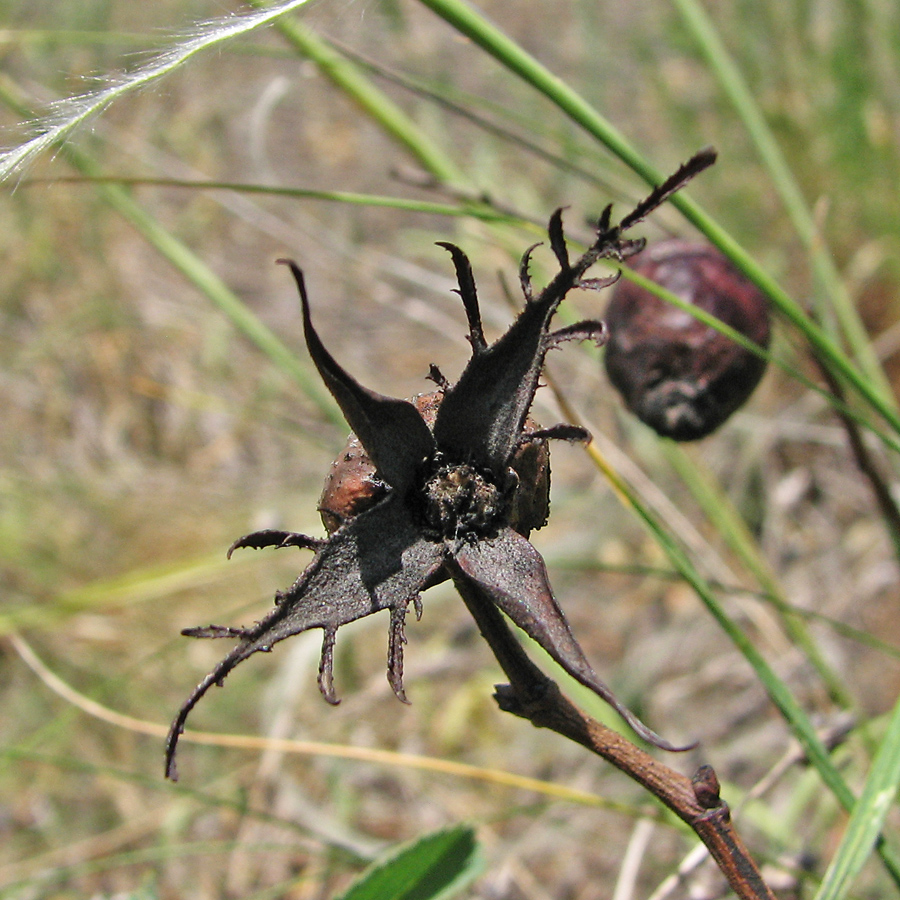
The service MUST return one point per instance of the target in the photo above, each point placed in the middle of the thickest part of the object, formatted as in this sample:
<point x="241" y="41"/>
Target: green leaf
<point x="432" y="867"/>
<point x="868" y="815"/>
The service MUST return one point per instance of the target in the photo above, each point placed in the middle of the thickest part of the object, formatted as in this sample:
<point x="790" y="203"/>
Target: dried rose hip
<point x="446" y="486"/>
<point x="676" y="374"/>
<point x="352" y="485"/>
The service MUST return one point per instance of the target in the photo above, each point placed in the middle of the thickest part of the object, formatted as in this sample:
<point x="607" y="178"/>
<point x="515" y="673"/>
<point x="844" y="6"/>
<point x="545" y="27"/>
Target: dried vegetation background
<point x="141" y="434"/>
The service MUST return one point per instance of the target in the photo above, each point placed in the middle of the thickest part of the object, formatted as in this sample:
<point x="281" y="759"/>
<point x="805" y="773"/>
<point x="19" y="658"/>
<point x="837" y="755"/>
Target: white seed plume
<point x="67" y="115"/>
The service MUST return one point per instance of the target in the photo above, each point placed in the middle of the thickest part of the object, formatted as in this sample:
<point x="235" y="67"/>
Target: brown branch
<point x="537" y="698"/>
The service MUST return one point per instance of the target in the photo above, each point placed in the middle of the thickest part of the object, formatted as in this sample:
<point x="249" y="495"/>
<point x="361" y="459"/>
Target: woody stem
<point x="537" y="698"/>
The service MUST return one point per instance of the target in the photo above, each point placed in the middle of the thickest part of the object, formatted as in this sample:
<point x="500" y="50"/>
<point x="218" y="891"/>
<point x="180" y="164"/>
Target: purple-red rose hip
<point x="676" y="374"/>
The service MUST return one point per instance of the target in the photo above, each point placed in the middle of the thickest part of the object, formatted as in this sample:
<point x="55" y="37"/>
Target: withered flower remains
<point x="452" y="493"/>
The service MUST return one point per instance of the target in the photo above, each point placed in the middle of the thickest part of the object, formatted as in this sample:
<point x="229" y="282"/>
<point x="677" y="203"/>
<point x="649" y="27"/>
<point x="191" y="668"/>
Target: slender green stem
<point x="351" y="198"/>
<point x="190" y="265"/>
<point x="778" y="692"/>
<point x="464" y="105"/>
<point x="193" y="268"/>
<point x="869" y="813"/>
<point x="375" y="103"/>
<point x="737" y="91"/>
<point x="21" y="757"/>
<point x="506" y="51"/>
<point x="881" y="490"/>
<point x="728" y="523"/>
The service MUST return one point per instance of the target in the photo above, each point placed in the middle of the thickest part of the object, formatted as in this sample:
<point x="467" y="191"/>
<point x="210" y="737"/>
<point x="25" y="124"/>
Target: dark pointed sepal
<point x="626" y="249"/>
<point x="480" y="417"/>
<point x="574" y="434"/>
<point x="525" y="274"/>
<point x="271" y="537"/>
<point x="469" y="294"/>
<point x="701" y="160"/>
<point x="438" y="377"/>
<point x="392" y="431"/>
<point x="588" y="330"/>
<point x="604" y="220"/>
<point x="326" y="666"/>
<point x="511" y="571"/>
<point x="378" y="560"/>
<point x="396" y="642"/>
<point x="558" y="239"/>
<point x="214" y="631"/>
<point x="598" y="284"/>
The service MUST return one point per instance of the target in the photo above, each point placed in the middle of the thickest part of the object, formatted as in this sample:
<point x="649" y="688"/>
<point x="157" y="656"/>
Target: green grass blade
<point x="20" y="756"/>
<point x="350" y="198"/>
<point x="507" y="52"/>
<point x="665" y="574"/>
<point x="434" y="867"/>
<point x="777" y="690"/>
<point x="376" y="104"/>
<point x="38" y="885"/>
<point x="868" y="815"/>
<point x="203" y="278"/>
<point x="135" y="587"/>
<point x="194" y="269"/>
<point x="735" y="88"/>
<point x="500" y="121"/>
<point x="728" y="523"/>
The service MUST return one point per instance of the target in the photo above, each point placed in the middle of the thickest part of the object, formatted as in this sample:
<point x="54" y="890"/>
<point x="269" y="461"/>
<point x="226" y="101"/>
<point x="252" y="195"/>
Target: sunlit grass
<point x="158" y="403"/>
